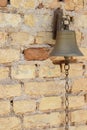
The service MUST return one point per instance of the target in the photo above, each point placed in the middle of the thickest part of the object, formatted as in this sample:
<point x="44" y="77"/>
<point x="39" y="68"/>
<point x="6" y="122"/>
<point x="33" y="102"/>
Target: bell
<point x="66" y="44"/>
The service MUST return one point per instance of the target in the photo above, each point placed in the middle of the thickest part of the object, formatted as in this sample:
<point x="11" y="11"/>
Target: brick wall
<point x="32" y="91"/>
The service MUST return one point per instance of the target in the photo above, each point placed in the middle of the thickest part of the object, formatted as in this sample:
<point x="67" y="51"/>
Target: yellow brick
<point x="23" y="72"/>
<point x="29" y="4"/>
<point x="78" y="37"/>
<point x="76" y="101"/>
<point x="16" y="3"/>
<point x="49" y="71"/>
<point x="8" y="91"/>
<point x="45" y="22"/>
<point x="4" y="107"/>
<point x="42" y="40"/>
<point x="78" y="127"/>
<point x="70" y="5"/>
<point x="79" y="5"/>
<point x="74" y="4"/>
<point x="4" y="73"/>
<point x="3" y="38"/>
<point x="75" y="70"/>
<point x="21" y="38"/>
<point x="42" y="120"/>
<point x="29" y="20"/>
<point x="70" y="128"/>
<point x="50" y="103"/>
<point x="84" y="39"/>
<point x="54" y="4"/>
<point x="10" y="123"/>
<point x="24" y="106"/>
<point x="45" y="37"/>
<point x="36" y="89"/>
<point x="84" y="127"/>
<point x="47" y="3"/>
<point x="80" y="21"/>
<point x="59" y="128"/>
<point x="9" y="55"/>
<point x="9" y="19"/>
<point x="26" y="4"/>
<point x="79" y="85"/>
<point x="79" y="116"/>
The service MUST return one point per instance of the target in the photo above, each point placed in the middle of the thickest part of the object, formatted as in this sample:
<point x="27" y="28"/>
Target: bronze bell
<point x="66" y="44"/>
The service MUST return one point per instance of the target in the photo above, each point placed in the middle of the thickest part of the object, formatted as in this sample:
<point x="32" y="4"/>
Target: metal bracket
<point x="60" y="21"/>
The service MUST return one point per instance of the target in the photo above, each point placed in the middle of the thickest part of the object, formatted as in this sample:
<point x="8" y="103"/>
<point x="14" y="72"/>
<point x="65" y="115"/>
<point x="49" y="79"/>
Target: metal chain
<point x="67" y="90"/>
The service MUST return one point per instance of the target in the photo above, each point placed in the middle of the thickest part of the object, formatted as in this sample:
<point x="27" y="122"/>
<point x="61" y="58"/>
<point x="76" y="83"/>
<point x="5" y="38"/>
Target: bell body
<point x="66" y="44"/>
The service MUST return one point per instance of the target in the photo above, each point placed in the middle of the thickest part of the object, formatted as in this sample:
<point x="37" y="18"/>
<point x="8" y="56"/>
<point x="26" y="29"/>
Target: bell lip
<point x="66" y="55"/>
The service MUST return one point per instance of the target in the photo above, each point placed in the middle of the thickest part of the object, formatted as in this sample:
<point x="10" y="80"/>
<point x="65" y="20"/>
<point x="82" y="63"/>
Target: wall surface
<point x="32" y="91"/>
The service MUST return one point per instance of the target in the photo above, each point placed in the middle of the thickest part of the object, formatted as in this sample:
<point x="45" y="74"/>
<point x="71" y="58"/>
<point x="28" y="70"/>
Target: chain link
<point x="67" y="90"/>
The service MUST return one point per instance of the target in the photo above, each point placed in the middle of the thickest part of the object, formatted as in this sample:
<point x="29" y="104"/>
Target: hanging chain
<point x="67" y="90"/>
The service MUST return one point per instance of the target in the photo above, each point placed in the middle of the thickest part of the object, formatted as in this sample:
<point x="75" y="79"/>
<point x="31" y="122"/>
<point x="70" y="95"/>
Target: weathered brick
<point x="17" y="19"/>
<point x="70" y="5"/>
<point x="24" y="106"/>
<point x="78" y="37"/>
<point x="3" y="3"/>
<point x="21" y="38"/>
<point x="76" y="102"/>
<point x="73" y="4"/>
<point x="27" y="4"/>
<point x="37" y="89"/>
<point x="84" y="127"/>
<point x="8" y="19"/>
<point x="59" y="128"/>
<point x="23" y="72"/>
<point x="54" y="4"/>
<point x="49" y="71"/>
<point x="9" y="55"/>
<point x="50" y="103"/>
<point x="4" y="73"/>
<point x="3" y="38"/>
<point x="51" y="4"/>
<point x="80" y="21"/>
<point x="75" y="116"/>
<point x="42" y="120"/>
<point x="75" y="70"/>
<point x="36" y="53"/>
<point x="10" y="90"/>
<point x="81" y="128"/>
<point x="79" y="85"/>
<point x="29" y="20"/>
<point x="4" y="107"/>
<point x="79" y="5"/>
<point x="84" y="39"/>
<point x="45" y="22"/>
<point x="10" y="123"/>
<point x="16" y="3"/>
<point x="45" y="38"/>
